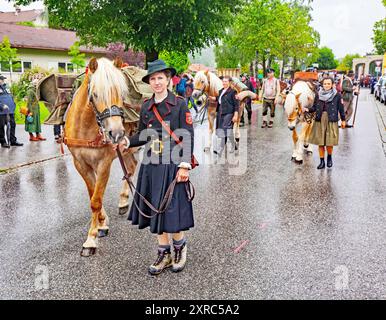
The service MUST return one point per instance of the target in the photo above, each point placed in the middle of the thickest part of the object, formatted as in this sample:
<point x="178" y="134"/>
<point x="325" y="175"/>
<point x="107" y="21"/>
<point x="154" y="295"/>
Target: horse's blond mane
<point x="107" y="80"/>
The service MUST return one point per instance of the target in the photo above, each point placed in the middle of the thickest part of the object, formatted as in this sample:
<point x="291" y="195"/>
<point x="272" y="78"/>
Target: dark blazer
<point x="229" y="103"/>
<point x="333" y="108"/>
<point x="6" y="99"/>
<point x="176" y="114"/>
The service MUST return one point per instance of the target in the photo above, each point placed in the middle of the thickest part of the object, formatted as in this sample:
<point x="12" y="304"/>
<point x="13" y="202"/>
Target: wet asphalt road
<point x="278" y="231"/>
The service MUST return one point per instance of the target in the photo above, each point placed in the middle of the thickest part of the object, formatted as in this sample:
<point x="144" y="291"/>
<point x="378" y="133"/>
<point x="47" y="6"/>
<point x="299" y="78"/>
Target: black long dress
<point x="157" y="171"/>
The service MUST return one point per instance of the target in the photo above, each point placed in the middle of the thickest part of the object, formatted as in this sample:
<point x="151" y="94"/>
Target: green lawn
<point x="19" y="118"/>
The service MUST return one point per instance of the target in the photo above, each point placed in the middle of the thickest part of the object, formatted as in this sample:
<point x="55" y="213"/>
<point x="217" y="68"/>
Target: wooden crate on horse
<point x="56" y="92"/>
<point x="306" y="76"/>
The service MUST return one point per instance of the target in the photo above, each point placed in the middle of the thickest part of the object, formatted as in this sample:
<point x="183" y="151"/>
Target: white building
<point x="39" y="46"/>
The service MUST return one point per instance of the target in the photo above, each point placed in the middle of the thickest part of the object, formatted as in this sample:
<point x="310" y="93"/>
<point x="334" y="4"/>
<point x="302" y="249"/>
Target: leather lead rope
<point x="190" y="191"/>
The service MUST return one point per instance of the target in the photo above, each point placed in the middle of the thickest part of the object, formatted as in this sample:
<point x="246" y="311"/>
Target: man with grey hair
<point x="7" y="116"/>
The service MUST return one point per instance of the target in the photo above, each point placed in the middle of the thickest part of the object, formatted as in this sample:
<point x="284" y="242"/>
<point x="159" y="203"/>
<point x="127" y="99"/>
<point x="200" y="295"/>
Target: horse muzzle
<point x="116" y="135"/>
<point x="292" y="128"/>
<point x="196" y="94"/>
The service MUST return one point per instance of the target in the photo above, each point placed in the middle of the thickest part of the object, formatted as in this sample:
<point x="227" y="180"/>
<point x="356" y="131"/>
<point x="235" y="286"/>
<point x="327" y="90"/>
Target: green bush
<point x="20" y="118"/>
<point x="19" y="92"/>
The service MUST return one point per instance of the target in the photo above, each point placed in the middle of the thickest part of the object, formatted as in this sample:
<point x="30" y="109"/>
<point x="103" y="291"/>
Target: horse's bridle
<point x="113" y="111"/>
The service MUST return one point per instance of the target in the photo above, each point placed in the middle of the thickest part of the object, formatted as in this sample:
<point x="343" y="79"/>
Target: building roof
<point x="22" y="16"/>
<point x="42" y="38"/>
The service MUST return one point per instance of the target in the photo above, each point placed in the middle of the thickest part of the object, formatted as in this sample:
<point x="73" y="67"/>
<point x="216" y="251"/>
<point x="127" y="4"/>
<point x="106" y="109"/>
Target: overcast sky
<point x="344" y="25"/>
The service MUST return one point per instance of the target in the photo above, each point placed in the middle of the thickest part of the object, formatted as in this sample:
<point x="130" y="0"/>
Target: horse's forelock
<point x="108" y="81"/>
<point x="199" y="77"/>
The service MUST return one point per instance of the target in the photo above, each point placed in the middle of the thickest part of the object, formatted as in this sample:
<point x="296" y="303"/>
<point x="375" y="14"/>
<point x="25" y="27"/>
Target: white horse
<point x="207" y="84"/>
<point x="301" y="96"/>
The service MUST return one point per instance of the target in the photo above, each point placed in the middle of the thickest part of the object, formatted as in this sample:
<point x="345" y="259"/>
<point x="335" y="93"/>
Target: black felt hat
<point x="157" y="66"/>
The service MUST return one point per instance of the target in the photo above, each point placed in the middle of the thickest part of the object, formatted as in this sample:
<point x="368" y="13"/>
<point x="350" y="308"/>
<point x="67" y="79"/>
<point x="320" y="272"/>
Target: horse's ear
<point x="118" y="62"/>
<point x="206" y="72"/>
<point x="93" y="65"/>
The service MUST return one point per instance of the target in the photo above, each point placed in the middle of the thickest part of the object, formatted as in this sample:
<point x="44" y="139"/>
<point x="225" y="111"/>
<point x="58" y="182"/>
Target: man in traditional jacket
<point x="349" y="90"/>
<point x="7" y="109"/>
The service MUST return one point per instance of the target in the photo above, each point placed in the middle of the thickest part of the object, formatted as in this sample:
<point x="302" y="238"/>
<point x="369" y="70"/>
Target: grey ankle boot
<point x="163" y="261"/>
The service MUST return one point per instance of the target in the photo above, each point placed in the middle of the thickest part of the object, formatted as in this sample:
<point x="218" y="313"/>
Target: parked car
<point x="373" y="82"/>
<point x="383" y="91"/>
<point x="378" y="86"/>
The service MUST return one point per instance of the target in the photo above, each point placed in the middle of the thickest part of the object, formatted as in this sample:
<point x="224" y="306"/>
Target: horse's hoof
<point x="87" y="252"/>
<point x="237" y="139"/>
<point x="123" y="210"/>
<point x="103" y="233"/>
<point x="298" y="161"/>
<point x="293" y="159"/>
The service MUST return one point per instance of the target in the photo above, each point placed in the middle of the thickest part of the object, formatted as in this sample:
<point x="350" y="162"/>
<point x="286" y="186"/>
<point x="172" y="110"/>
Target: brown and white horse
<point x="301" y="96"/>
<point x="207" y="84"/>
<point x="98" y="100"/>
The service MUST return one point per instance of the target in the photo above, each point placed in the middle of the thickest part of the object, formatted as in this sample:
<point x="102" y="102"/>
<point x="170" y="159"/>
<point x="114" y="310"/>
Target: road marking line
<point x="241" y="246"/>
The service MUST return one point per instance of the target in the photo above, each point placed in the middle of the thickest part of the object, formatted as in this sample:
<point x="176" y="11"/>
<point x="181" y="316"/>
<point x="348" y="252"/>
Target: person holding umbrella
<point x="7" y="117"/>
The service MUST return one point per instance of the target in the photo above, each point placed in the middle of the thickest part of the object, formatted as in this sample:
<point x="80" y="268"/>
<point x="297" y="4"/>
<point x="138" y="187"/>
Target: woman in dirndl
<point x="163" y="162"/>
<point x="32" y="120"/>
<point x="325" y="131"/>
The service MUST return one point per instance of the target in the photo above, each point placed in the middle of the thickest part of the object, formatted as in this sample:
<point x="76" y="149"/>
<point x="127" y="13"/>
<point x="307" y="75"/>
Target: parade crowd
<point x="333" y="102"/>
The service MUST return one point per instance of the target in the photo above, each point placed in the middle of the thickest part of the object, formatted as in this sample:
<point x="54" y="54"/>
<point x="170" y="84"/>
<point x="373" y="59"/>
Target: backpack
<point x="181" y="87"/>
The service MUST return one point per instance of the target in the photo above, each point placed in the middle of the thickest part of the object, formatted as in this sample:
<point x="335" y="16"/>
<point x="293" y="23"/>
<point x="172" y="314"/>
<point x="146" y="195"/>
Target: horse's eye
<point x="202" y="81"/>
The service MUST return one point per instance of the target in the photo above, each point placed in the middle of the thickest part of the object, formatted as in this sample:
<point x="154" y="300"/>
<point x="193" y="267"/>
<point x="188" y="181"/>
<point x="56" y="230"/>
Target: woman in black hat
<point x="163" y="162"/>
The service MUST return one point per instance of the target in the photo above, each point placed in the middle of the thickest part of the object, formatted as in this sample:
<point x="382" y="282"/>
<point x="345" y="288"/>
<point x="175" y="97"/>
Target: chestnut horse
<point x="94" y="122"/>
<point x="207" y="84"/>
